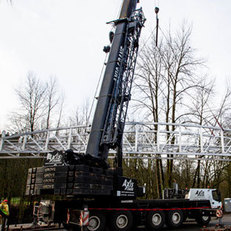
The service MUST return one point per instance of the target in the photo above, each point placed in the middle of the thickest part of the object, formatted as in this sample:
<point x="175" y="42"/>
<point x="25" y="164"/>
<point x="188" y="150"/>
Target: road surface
<point x="192" y="225"/>
<point x="188" y="225"/>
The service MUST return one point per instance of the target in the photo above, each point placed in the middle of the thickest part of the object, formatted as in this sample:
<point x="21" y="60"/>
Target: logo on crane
<point x="128" y="185"/>
<point x="200" y="193"/>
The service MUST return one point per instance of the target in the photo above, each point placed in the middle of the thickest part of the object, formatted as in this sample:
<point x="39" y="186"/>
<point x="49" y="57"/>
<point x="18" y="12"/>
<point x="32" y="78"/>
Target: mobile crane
<point x="86" y="182"/>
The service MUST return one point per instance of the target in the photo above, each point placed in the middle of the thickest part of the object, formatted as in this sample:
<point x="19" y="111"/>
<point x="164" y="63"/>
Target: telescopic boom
<point x="111" y="110"/>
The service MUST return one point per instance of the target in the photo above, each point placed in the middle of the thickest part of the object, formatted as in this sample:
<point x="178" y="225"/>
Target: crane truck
<point x="85" y="189"/>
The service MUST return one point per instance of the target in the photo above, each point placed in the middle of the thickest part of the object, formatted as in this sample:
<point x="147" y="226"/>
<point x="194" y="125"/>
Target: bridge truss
<point x="141" y="140"/>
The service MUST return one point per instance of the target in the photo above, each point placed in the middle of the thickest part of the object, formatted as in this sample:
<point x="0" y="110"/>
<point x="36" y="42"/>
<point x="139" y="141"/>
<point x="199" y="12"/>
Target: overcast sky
<point x="64" y="38"/>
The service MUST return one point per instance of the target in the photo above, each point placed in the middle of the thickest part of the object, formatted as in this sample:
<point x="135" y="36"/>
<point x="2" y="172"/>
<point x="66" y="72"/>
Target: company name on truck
<point x="200" y="193"/>
<point x="128" y="185"/>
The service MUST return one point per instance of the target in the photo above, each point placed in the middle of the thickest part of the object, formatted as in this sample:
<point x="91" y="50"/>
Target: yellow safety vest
<point x="5" y="208"/>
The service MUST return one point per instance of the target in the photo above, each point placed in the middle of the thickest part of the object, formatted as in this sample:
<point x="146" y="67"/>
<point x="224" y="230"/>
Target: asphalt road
<point x="190" y="225"/>
<point x="193" y="226"/>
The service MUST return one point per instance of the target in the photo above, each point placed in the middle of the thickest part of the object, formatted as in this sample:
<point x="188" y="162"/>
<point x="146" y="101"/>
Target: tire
<point x="121" y="221"/>
<point x="175" y="218"/>
<point x="203" y="220"/>
<point x="155" y="220"/>
<point x="97" y="222"/>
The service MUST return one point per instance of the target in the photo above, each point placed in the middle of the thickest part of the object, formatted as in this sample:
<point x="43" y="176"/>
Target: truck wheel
<point x="203" y="220"/>
<point x="155" y="220"/>
<point x="175" y="218"/>
<point x="97" y="222"/>
<point x="121" y="221"/>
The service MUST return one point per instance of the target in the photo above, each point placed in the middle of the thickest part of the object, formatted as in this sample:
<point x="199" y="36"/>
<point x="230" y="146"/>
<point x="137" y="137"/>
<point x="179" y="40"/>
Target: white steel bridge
<point x="141" y="140"/>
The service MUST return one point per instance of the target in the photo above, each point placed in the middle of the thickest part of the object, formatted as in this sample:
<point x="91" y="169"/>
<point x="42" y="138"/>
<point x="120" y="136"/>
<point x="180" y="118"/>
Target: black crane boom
<point x="111" y="110"/>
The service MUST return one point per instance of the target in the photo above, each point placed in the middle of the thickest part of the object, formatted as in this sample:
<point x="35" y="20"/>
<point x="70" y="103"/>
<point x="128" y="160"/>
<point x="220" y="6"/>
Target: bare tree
<point x="222" y="113"/>
<point x="60" y="111"/>
<point x="200" y="113"/>
<point x="167" y="75"/>
<point x="31" y="100"/>
<point x="37" y="104"/>
<point x="81" y="115"/>
<point x="180" y="64"/>
<point x="52" y="99"/>
<point x="149" y="83"/>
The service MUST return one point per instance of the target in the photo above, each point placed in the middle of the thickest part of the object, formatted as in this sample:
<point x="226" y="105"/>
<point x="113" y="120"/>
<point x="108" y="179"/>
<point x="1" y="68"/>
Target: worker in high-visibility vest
<point x="219" y="214"/>
<point x="4" y="212"/>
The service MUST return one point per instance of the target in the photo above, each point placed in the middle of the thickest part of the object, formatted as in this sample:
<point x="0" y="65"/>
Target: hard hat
<point x="5" y="201"/>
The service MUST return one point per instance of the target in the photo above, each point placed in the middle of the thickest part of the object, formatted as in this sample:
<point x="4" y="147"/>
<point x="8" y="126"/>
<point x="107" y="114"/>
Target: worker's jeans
<point x="4" y="221"/>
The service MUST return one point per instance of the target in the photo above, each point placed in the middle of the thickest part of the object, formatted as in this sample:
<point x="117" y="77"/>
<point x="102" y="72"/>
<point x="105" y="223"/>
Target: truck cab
<point x="213" y="195"/>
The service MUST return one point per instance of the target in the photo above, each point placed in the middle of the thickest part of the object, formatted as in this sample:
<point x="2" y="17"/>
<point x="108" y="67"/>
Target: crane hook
<point x="157" y="9"/>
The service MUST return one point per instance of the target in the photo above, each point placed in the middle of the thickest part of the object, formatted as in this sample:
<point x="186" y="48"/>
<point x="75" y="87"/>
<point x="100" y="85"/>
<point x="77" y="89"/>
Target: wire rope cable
<point x="96" y="90"/>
